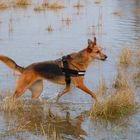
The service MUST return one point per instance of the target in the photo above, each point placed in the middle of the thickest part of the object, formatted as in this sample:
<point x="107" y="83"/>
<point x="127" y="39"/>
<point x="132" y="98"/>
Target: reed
<point x="78" y="5"/>
<point x="97" y="1"/>
<point x="125" y="57"/>
<point x="55" y="5"/>
<point x="21" y="3"/>
<point x="9" y="104"/>
<point x="3" y="5"/>
<point x="120" y="81"/>
<point x="120" y="103"/>
<point x="52" y="6"/>
<point x="49" y="29"/>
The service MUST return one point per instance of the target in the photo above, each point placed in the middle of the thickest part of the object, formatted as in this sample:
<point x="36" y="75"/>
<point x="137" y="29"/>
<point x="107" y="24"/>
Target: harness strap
<point x="69" y="72"/>
<point x="65" y="70"/>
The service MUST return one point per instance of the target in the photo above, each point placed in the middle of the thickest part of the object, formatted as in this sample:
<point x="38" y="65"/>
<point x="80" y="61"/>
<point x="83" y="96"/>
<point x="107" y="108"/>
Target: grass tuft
<point x="78" y="5"/>
<point x="102" y="88"/>
<point x="39" y="8"/>
<point x="121" y="103"/>
<point x="10" y="104"/>
<point x="117" y="13"/>
<point x="136" y="78"/>
<point x="52" y="6"/>
<point x="55" y="5"/>
<point x="67" y="21"/>
<point x="125" y="57"/>
<point x="21" y="3"/>
<point x="97" y="1"/>
<point x="120" y="81"/>
<point x="49" y="29"/>
<point x="3" y="5"/>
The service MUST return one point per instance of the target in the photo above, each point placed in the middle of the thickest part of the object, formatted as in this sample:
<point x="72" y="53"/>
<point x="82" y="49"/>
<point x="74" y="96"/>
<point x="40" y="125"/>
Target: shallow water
<point x="24" y="37"/>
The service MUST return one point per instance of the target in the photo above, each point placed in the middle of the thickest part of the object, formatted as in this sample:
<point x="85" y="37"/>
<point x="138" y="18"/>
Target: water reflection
<point x="47" y="123"/>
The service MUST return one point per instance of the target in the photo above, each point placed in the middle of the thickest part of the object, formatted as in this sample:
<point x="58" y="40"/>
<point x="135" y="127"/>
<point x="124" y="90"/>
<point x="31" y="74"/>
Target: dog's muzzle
<point x="104" y="57"/>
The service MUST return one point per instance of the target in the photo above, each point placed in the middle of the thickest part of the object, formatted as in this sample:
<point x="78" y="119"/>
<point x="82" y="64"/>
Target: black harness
<point x="70" y="72"/>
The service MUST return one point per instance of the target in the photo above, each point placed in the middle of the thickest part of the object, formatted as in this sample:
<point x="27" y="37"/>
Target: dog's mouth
<point x="104" y="58"/>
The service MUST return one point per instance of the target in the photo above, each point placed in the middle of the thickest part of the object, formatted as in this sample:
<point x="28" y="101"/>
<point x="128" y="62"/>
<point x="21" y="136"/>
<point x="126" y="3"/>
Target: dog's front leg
<point x="80" y="84"/>
<point x="66" y="89"/>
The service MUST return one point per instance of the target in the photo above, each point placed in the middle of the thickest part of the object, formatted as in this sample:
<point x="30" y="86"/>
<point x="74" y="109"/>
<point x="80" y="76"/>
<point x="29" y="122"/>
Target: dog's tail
<point x="11" y="64"/>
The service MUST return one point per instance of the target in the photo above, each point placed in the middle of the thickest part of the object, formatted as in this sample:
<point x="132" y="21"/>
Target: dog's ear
<point x="89" y="42"/>
<point x="95" y="40"/>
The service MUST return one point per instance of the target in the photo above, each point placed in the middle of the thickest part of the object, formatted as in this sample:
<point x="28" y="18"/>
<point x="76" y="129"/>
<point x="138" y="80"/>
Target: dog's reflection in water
<point x="47" y="123"/>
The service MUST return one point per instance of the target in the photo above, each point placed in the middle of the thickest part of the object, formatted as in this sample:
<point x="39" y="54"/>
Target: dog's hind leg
<point x="66" y="89"/>
<point x="36" y="88"/>
<point x="23" y="83"/>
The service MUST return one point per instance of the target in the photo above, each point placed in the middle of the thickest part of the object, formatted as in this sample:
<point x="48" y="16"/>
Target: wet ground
<point x="24" y="36"/>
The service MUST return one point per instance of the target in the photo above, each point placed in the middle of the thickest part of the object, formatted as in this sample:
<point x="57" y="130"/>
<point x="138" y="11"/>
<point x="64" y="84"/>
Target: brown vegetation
<point x="117" y="13"/>
<point x="102" y="88"/>
<point x="97" y="1"/>
<point x="67" y="20"/>
<point x="125" y="57"/>
<point x="78" y="4"/>
<point x="52" y="6"/>
<point x="10" y="104"/>
<point x="49" y="29"/>
<point x="120" y="81"/>
<point x="3" y="5"/>
<point x="121" y="103"/>
<point x="21" y="3"/>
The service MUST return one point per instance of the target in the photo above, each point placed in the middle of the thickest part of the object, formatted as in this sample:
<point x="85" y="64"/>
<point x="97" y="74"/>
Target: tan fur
<point x="11" y="64"/>
<point x="33" y="80"/>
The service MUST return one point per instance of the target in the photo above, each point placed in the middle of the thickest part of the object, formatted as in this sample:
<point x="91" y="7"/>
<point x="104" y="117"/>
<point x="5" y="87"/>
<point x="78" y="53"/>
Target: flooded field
<point x="35" y="32"/>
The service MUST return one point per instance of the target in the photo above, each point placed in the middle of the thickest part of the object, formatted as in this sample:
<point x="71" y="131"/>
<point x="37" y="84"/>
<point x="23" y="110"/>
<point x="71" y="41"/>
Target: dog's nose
<point x="105" y="56"/>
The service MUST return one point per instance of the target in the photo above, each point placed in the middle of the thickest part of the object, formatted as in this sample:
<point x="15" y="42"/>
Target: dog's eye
<point x="98" y="51"/>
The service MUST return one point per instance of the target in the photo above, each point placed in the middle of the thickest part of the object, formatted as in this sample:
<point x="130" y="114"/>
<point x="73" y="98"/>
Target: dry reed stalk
<point x="125" y="57"/>
<point x="21" y="3"/>
<point x="119" y="104"/>
<point x="3" y="5"/>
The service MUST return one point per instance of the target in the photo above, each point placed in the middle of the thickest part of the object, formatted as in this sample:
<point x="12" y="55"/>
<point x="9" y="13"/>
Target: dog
<point x="61" y="71"/>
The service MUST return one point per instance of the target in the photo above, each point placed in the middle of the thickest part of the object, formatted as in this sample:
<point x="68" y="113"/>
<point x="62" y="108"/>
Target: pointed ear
<point x="94" y="40"/>
<point x="89" y="41"/>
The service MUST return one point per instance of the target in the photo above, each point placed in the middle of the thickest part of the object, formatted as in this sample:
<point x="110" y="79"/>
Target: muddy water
<point x="25" y="38"/>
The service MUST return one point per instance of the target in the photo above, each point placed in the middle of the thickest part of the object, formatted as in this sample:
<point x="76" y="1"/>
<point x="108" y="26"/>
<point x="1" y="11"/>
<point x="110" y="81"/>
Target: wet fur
<point x="32" y="76"/>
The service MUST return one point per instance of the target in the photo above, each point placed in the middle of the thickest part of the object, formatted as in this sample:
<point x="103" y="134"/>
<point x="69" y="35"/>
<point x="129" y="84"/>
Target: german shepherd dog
<point x="32" y="76"/>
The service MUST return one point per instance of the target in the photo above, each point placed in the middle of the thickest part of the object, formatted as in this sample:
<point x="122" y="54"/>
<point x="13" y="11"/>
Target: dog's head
<point x="95" y="51"/>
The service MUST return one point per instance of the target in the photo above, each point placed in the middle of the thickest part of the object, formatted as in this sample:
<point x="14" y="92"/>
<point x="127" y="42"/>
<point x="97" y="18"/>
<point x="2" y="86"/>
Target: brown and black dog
<point x="32" y="76"/>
